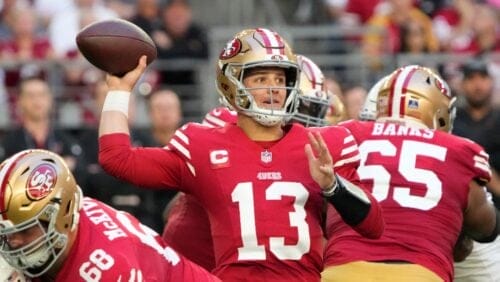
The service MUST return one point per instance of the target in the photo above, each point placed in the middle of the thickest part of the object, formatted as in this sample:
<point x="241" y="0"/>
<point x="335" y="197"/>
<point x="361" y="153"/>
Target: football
<point x="115" y="46"/>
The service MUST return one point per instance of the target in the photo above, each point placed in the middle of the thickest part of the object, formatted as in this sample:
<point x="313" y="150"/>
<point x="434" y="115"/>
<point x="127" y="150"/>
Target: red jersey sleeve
<point x="346" y="158"/>
<point x="146" y="167"/>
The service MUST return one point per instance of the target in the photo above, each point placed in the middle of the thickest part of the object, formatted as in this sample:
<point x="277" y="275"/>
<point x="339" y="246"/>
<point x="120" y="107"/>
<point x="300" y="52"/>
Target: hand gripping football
<point x="115" y="46"/>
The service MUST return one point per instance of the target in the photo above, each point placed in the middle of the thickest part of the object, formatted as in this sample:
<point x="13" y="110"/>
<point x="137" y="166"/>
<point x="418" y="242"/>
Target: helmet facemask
<point x="314" y="99"/>
<point x="312" y="109"/>
<point x="39" y="255"/>
<point x="245" y="103"/>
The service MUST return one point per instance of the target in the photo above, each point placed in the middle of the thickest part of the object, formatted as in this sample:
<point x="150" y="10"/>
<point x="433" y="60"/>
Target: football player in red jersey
<point x="52" y="233"/>
<point x="263" y="184"/>
<point x="187" y="229"/>
<point x="428" y="182"/>
<point x="186" y="216"/>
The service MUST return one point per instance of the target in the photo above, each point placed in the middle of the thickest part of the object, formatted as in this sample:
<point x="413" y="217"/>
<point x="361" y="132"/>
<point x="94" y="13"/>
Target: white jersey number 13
<point x="251" y="250"/>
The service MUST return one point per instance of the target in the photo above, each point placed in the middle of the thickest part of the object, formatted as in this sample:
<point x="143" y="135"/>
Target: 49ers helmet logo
<point x="441" y="87"/>
<point x="41" y="182"/>
<point x="232" y="49"/>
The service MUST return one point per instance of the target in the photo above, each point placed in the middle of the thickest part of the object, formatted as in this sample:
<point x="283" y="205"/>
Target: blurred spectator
<point x="125" y="9"/>
<point x="165" y="113"/>
<point x="146" y="205"/>
<point x="429" y="7"/>
<point x="486" y="28"/>
<point x="6" y="6"/>
<point x="179" y="38"/>
<point x="37" y="130"/>
<point x="413" y="38"/>
<point x="351" y="12"/>
<point x="467" y="26"/>
<point x="354" y="99"/>
<point x="332" y="85"/>
<point x="79" y="76"/>
<point x="147" y="15"/>
<point x="296" y="12"/>
<point x="23" y="46"/>
<point x="453" y="24"/>
<point x="384" y="30"/>
<point x="479" y="121"/>
<point x="46" y="9"/>
<point x="65" y="25"/>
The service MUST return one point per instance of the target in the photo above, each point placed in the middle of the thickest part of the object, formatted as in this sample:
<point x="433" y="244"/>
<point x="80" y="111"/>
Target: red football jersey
<point x="421" y="179"/>
<point x="188" y="231"/>
<point x="265" y="209"/>
<point x="219" y="116"/>
<point x="188" y="227"/>
<point x="113" y="246"/>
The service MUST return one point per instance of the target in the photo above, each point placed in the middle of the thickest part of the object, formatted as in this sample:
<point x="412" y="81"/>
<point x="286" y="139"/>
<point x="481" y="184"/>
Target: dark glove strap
<point x="350" y="202"/>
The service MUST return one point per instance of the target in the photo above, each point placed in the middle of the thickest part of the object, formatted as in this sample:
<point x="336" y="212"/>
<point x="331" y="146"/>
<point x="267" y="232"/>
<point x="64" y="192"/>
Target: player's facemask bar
<point x="245" y="103"/>
<point x="36" y="257"/>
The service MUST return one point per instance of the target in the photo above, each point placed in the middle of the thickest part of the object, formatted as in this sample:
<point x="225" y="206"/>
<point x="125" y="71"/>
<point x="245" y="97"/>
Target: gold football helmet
<point x="369" y="110"/>
<point x="252" y="48"/>
<point x="38" y="194"/>
<point x="314" y="99"/>
<point x="336" y="111"/>
<point x="416" y="95"/>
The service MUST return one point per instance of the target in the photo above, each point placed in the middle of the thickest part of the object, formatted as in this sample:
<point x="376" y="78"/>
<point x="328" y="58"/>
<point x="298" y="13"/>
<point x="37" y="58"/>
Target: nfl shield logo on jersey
<point x="266" y="157"/>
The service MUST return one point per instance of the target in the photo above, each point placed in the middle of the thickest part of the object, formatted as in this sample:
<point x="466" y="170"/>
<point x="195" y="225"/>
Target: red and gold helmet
<point x="313" y="99"/>
<point x="250" y="48"/>
<point x="416" y="95"/>
<point x="336" y="111"/>
<point x="38" y="191"/>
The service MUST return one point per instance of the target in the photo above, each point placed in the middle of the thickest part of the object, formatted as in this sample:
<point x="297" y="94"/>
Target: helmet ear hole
<point x="442" y="122"/>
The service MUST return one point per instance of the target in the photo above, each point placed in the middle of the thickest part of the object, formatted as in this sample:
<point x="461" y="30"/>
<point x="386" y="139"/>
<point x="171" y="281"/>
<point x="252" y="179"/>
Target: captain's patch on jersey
<point x="219" y="159"/>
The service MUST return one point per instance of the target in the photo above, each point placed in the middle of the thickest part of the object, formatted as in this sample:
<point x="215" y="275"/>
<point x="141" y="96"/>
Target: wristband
<point x="118" y="101"/>
<point x="332" y="190"/>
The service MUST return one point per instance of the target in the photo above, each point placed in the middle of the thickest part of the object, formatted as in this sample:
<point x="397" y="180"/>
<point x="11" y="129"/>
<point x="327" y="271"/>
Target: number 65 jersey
<point x="264" y="207"/>
<point x="113" y="246"/>
<point x="421" y="179"/>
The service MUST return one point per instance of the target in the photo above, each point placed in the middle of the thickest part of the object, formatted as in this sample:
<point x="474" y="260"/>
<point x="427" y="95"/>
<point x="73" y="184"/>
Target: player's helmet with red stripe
<point x="38" y="192"/>
<point x="314" y="99"/>
<point x="417" y="95"/>
<point x="252" y="48"/>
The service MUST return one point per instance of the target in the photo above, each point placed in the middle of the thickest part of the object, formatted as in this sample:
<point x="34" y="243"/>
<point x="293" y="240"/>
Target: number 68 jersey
<point x="113" y="246"/>
<point x="421" y="179"/>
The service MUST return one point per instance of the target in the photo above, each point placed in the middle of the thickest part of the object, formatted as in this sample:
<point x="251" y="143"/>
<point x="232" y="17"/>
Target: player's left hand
<point x="320" y="161"/>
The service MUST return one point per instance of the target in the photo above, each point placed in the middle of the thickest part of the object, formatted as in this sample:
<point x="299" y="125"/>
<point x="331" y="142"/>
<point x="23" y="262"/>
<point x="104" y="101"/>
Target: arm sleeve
<point x="146" y="167"/>
<point x="358" y="208"/>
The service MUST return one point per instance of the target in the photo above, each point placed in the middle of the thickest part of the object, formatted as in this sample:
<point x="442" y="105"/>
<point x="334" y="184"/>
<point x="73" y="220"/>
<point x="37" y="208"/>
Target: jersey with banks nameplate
<point x="113" y="246"/>
<point x="421" y="179"/>
<point x="264" y="207"/>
